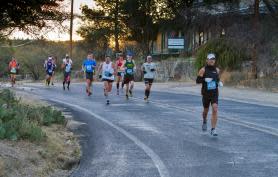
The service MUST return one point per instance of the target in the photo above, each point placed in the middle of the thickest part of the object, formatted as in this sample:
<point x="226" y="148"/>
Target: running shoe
<point x="68" y="87"/>
<point x="213" y="132"/>
<point x="89" y="93"/>
<point x="126" y="96"/>
<point x="118" y="92"/>
<point x="64" y="87"/>
<point x="130" y="93"/>
<point x="107" y="102"/>
<point x="204" y="127"/>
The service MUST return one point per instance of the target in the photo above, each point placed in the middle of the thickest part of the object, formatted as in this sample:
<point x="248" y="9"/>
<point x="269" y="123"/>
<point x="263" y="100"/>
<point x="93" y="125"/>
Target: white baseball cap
<point x="211" y="56"/>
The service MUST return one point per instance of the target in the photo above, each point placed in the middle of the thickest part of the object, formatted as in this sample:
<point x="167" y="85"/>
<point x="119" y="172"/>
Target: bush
<point x="229" y="56"/>
<point x="20" y="121"/>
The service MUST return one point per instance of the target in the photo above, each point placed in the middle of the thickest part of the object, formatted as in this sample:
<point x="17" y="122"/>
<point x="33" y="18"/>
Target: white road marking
<point x="260" y="128"/>
<point x="163" y="171"/>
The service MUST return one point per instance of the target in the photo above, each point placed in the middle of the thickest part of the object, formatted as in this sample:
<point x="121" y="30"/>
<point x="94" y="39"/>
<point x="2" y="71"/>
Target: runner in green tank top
<point x="129" y="68"/>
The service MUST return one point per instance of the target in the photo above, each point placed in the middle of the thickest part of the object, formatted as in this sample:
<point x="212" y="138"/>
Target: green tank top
<point x="129" y="65"/>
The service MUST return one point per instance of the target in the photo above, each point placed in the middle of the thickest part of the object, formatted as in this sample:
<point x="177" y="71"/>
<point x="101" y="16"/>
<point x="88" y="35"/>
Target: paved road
<point x="163" y="138"/>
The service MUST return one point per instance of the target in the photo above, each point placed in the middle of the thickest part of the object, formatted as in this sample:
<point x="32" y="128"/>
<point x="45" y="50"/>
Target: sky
<point x="55" y="34"/>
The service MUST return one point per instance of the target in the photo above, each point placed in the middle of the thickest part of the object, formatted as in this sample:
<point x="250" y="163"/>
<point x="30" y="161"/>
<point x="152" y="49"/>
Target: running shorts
<point x="108" y="80"/>
<point x="128" y="78"/>
<point x="90" y="76"/>
<point x="148" y="81"/>
<point x="210" y="99"/>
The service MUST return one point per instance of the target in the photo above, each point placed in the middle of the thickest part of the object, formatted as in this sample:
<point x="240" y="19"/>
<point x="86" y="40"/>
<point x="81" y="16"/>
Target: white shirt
<point x="107" y="71"/>
<point x="147" y="67"/>
<point x="67" y="64"/>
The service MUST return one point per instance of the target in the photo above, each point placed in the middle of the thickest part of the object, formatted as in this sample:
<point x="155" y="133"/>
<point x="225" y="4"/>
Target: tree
<point x="25" y="15"/>
<point x="142" y="17"/>
<point x="103" y="23"/>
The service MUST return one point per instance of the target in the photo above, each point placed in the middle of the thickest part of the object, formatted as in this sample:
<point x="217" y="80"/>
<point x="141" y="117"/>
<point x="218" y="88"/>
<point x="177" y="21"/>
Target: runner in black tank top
<point x="209" y="78"/>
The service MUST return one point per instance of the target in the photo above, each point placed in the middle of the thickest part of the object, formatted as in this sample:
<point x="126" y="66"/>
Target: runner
<point x="88" y="67"/>
<point x="107" y="72"/>
<point x="148" y="69"/>
<point x="120" y="72"/>
<point x="49" y="67"/>
<point x="13" y="69"/>
<point x="209" y="78"/>
<point x="67" y="66"/>
<point x="54" y="68"/>
<point x="129" y="68"/>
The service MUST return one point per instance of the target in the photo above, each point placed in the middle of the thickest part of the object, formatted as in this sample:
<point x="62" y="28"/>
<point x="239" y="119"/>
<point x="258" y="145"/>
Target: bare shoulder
<point x="218" y="70"/>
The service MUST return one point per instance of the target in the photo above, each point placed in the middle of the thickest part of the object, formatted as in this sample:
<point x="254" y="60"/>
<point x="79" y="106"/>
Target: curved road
<point x="163" y="138"/>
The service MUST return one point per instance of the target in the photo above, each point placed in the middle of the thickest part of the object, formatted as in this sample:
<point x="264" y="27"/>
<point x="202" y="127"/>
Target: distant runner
<point x="88" y="67"/>
<point x="67" y="66"/>
<point x="107" y="72"/>
<point x="148" y="69"/>
<point x="49" y="68"/>
<point x="13" y="69"/>
<point x="120" y="72"/>
<point x="129" y="68"/>
<point x="209" y="78"/>
<point x="54" y="59"/>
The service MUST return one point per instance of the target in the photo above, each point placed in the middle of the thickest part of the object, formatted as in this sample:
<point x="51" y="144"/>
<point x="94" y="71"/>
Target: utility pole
<point x="71" y="27"/>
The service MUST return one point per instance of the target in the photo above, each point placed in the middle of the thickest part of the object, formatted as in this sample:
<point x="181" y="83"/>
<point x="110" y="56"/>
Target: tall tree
<point x="142" y="18"/>
<point x="25" y="14"/>
<point x="103" y="22"/>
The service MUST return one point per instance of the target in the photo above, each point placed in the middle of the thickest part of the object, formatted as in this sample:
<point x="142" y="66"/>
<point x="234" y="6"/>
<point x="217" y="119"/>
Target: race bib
<point x="107" y="74"/>
<point x="68" y="67"/>
<point x="129" y="71"/>
<point x="89" y="67"/>
<point x="50" y="71"/>
<point x="13" y="70"/>
<point x="211" y="85"/>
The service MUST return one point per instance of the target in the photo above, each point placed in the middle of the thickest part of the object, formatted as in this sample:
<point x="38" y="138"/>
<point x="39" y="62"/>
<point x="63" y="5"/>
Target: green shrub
<point x="228" y="55"/>
<point x="20" y="121"/>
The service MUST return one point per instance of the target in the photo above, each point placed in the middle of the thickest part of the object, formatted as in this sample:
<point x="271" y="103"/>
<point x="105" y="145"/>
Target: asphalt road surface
<point x="163" y="138"/>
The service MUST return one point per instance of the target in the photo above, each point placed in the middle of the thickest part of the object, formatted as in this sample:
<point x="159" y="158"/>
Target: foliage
<point x="26" y="14"/>
<point x="31" y="57"/>
<point x="103" y="23"/>
<point x="228" y="55"/>
<point x="20" y="121"/>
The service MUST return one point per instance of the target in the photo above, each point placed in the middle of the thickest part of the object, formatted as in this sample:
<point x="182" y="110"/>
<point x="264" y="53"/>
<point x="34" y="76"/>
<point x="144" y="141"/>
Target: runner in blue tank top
<point x="88" y="67"/>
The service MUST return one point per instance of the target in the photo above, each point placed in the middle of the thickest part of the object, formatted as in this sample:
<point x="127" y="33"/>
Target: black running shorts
<point x="210" y="99"/>
<point x="128" y="78"/>
<point x="89" y="75"/>
<point x="148" y="81"/>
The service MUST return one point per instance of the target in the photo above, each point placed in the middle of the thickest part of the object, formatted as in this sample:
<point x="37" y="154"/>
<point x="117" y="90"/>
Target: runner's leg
<point x="214" y="115"/>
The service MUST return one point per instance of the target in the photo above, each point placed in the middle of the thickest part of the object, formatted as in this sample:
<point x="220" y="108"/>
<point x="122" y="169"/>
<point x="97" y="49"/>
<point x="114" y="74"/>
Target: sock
<point x="148" y="93"/>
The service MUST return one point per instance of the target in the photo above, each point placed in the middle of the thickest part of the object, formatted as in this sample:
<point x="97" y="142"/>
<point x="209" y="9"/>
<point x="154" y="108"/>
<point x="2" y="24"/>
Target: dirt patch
<point x="56" y="156"/>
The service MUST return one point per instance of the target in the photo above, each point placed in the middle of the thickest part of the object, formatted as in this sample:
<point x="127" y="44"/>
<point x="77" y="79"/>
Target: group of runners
<point x="123" y="71"/>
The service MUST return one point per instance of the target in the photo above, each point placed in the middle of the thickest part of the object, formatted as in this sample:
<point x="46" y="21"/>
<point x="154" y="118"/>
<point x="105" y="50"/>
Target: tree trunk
<point x="256" y="39"/>
<point x="117" y="47"/>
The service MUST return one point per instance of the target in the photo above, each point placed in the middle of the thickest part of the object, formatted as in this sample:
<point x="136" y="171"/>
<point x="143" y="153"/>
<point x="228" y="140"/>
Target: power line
<point x="15" y="46"/>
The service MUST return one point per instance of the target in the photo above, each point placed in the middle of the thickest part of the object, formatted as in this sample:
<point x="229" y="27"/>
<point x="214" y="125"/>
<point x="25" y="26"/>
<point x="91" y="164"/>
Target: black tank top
<point x="210" y="72"/>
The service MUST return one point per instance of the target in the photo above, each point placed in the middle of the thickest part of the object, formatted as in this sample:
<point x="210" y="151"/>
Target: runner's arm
<point x="115" y="69"/>
<point x="134" y="68"/>
<point x="123" y="66"/>
<point x="200" y="77"/>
